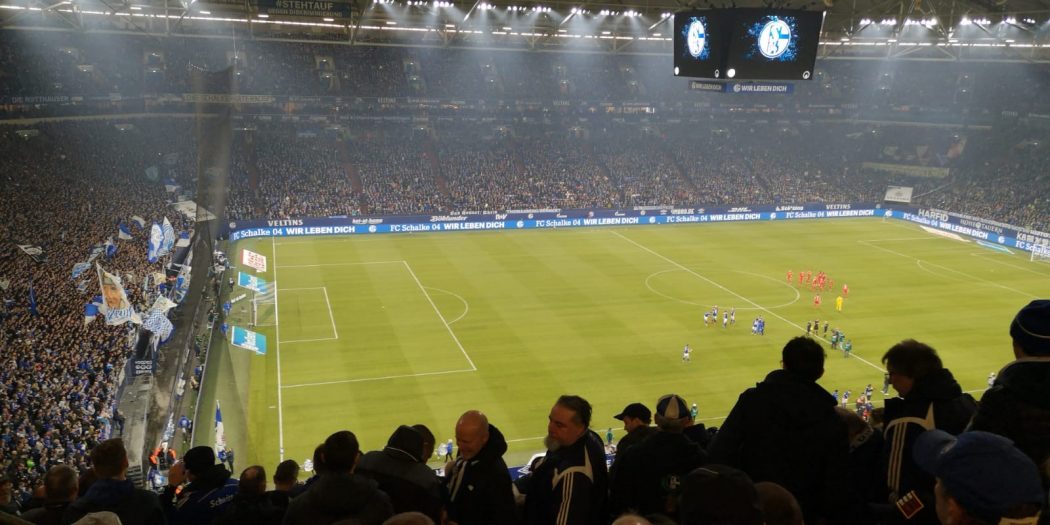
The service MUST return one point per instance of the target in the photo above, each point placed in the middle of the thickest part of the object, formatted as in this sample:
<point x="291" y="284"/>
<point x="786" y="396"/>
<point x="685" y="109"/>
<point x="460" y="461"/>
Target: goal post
<point x="1040" y="253"/>
<point x="264" y="307"/>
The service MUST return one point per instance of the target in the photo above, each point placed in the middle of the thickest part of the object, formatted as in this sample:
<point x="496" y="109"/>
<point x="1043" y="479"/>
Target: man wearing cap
<point x="930" y="397"/>
<point x="646" y="478"/>
<point x="1018" y="403"/>
<point x="982" y="479"/>
<point x="479" y="485"/>
<point x="785" y="430"/>
<point x="209" y="492"/>
<point x="401" y="473"/>
<point x="636" y="418"/>
<point x="570" y="484"/>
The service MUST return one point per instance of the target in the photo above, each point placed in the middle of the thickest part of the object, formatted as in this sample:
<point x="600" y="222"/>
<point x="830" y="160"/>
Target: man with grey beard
<point x="570" y="484"/>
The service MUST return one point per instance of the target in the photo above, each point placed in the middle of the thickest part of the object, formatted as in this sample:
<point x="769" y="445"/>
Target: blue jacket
<point x="203" y="500"/>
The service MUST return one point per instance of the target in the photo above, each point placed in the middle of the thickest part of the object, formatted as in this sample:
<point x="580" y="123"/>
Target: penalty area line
<point x="366" y="379"/>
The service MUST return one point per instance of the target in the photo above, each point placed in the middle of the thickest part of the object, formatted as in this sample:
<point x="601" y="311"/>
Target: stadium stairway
<point x="348" y="166"/>
<point x="430" y="153"/>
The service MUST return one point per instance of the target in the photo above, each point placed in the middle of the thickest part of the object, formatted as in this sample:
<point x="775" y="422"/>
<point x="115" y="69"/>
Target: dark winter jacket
<point x="785" y="430"/>
<point x="411" y="485"/>
<point x="934" y="401"/>
<point x="1018" y="407"/>
<point x="479" y="489"/>
<point x="203" y="500"/>
<point x="644" y="479"/>
<point x="338" y="496"/>
<point x="256" y="509"/>
<point x="133" y="506"/>
<point x="633" y="438"/>
<point x="570" y="485"/>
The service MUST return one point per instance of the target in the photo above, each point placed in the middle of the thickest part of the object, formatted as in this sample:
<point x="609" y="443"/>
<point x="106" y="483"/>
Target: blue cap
<point x="985" y="473"/>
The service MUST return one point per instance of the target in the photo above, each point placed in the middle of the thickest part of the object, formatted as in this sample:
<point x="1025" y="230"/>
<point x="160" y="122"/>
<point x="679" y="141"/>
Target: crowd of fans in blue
<point x="67" y="185"/>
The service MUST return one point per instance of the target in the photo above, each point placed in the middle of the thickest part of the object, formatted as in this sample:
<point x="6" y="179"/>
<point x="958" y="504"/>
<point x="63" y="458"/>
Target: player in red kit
<point x="845" y="290"/>
<point x="789" y="276"/>
<point x="816" y="301"/>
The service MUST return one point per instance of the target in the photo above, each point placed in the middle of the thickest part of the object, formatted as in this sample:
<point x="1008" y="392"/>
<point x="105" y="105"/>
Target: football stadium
<point x="439" y="262"/>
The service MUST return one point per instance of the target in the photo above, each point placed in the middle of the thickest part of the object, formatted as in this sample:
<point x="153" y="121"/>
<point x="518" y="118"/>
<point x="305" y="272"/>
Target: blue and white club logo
<point x="696" y="38"/>
<point x="774" y="39"/>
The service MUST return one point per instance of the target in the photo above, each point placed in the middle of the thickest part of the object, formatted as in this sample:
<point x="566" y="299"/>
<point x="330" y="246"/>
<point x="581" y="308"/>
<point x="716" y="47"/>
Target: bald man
<point x="479" y="486"/>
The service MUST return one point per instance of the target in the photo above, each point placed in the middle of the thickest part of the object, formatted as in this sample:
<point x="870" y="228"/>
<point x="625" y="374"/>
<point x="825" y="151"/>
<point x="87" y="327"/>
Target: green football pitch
<point x="371" y="332"/>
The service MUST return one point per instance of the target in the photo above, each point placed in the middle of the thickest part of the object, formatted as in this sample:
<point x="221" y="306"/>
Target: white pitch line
<point x="310" y="340"/>
<point x="298" y="289"/>
<point x="364" y="379"/>
<point x="952" y="270"/>
<point x="731" y="292"/>
<point x="438" y="312"/>
<point x="466" y="305"/>
<point x="339" y="264"/>
<point x="330" y="316"/>
<point x="277" y="337"/>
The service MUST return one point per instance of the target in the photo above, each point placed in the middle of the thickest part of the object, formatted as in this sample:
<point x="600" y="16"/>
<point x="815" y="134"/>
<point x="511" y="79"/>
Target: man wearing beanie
<point x="646" y="478"/>
<point x="982" y="479"/>
<point x="1018" y="404"/>
<point x="209" y="492"/>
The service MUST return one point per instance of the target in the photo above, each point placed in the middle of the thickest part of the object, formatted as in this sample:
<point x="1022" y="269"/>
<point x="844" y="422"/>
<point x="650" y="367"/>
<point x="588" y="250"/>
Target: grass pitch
<point x="399" y="329"/>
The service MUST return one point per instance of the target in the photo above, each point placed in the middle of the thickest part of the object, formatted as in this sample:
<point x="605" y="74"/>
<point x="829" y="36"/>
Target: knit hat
<point x="672" y="406"/>
<point x="199" y="459"/>
<point x="1031" y="328"/>
<point x="406" y="440"/>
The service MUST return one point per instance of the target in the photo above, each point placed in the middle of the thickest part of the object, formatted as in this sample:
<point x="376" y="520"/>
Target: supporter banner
<point x="702" y="85"/>
<point x="217" y="98"/>
<point x="251" y="282"/>
<point x="984" y="230"/>
<point x="34" y="251"/>
<point x="253" y="260"/>
<point x="167" y="238"/>
<point x="906" y="169"/>
<point x="115" y="305"/>
<point x="898" y="194"/>
<point x="253" y="341"/>
<point x="305" y="8"/>
<point x="143" y="367"/>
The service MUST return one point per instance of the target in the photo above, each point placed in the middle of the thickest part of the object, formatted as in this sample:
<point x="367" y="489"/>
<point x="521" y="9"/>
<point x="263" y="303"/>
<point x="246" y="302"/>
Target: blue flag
<point x="32" y="299"/>
<point x="111" y="248"/>
<point x="80" y="268"/>
<point x="220" y="432"/>
<point x="123" y="232"/>
<point x="167" y="239"/>
<point x="139" y="221"/>
<point x="155" y="239"/>
<point x="90" y="312"/>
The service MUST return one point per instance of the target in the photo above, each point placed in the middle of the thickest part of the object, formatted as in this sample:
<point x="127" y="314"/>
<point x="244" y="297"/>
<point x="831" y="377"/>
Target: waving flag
<point x="80" y="268"/>
<point x="156" y="322"/>
<point x="115" y="304"/>
<point x="123" y="232"/>
<point x="220" y="432"/>
<point x="155" y="239"/>
<point x="34" y="251"/>
<point x="111" y="248"/>
<point x="32" y="299"/>
<point x="90" y="312"/>
<point x="138" y="221"/>
<point x="168" y="238"/>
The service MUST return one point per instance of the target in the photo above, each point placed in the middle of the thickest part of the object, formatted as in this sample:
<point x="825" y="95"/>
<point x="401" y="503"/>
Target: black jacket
<point x="633" y="438"/>
<point x="203" y="500"/>
<point x="338" y="496"/>
<point x="645" y="479"/>
<point x="570" y="485"/>
<point x="1018" y="407"/>
<point x="939" y="396"/>
<point x="256" y="509"/>
<point x="411" y="485"/>
<point x="479" y="489"/>
<point x="133" y="506"/>
<point x="785" y="430"/>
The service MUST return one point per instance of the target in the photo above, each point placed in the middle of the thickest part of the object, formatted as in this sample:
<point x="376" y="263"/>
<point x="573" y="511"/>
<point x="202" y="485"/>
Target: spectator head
<point x="87" y="479"/>
<point x="406" y="443"/>
<point x="60" y="483"/>
<point x="428" y="440"/>
<point x="319" y="467"/>
<point x="109" y="459"/>
<point x="253" y="481"/>
<point x="567" y="422"/>
<point x="6" y="490"/>
<point x="409" y="518"/>
<point x="286" y="476"/>
<point x="672" y="414"/>
<point x="804" y="357"/>
<point x="1030" y="330"/>
<point x="909" y="361"/>
<point x="198" y="460"/>
<point x="472" y="433"/>
<point x="719" y="495"/>
<point x="982" y="478"/>
<point x="631" y="519"/>
<point x="779" y="507"/>
<point x="634" y="415"/>
<point x="341" y="452"/>
<point x="855" y="425"/>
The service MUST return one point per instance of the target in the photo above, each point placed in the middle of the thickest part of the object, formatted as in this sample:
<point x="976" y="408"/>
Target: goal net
<point x="264" y="307"/>
<point x="1041" y="253"/>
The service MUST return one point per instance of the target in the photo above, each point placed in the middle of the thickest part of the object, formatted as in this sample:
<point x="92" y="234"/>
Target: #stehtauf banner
<point x="253" y="260"/>
<point x="248" y="339"/>
<point x="251" y="282"/>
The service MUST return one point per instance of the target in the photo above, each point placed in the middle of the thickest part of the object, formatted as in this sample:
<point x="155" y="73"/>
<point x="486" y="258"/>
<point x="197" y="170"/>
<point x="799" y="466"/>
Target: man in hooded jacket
<point x="401" y="473"/>
<point x="479" y="484"/>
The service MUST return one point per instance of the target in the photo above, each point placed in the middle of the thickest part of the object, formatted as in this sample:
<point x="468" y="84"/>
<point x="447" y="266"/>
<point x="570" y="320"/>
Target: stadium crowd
<point x="65" y="191"/>
<point x="787" y="453"/>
